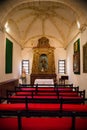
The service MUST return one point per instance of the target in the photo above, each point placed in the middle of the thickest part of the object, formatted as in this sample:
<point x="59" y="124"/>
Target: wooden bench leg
<point x="73" y="122"/>
<point x="19" y="121"/>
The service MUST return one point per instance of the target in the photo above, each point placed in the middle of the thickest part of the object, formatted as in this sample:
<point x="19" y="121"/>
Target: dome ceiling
<point x="26" y="22"/>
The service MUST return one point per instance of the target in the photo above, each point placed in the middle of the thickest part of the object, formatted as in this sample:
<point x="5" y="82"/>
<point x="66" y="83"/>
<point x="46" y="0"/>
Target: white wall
<point x="27" y="54"/>
<point x="60" y="54"/>
<point x="18" y="54"/>
<point x="1" y="56"/>
<point x="77" y="80"/>
<point x="16" y="59"/>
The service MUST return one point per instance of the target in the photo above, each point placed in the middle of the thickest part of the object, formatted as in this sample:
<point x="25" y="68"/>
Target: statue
<point x="43" y="64"/>
<point x="23" y="76"/>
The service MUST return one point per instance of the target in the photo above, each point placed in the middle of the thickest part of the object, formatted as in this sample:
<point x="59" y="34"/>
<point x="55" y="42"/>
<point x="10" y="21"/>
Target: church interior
<point x="43" y="66"/>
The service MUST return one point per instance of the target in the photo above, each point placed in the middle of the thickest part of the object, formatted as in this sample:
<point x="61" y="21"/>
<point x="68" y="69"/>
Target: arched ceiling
<point x="28" y="20"/>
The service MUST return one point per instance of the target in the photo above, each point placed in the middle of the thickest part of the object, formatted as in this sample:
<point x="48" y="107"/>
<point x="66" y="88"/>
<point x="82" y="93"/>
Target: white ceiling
<point x="29" y="20"/>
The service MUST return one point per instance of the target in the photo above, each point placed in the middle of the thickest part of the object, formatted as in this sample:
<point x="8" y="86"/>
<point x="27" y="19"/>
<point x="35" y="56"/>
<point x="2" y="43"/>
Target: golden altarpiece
<point x="43" y="66"/>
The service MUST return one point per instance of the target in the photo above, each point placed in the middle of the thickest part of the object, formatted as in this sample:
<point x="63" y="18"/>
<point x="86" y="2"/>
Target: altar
<point x="43" y="66"/>
<point x="51" y="77"/>
<point x="44" y="82"/>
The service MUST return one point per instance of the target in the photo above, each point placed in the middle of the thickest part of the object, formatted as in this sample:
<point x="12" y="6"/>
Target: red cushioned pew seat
<point x="43" y="106"/>
<point x="46" y="93"/>
<point x="75" y="107"/>
<point x="12" y="107"/>
<point x="23" y="93"/>
<point x="35" y="96"/>
<point x="43" y="123"/>
<point x="27" y="89"/>
<point x="64" y="89"/>
<point x="70" y="97"/>
<point x="46" y="123"/>
<point x="53" y="123"/>
<point x="45" y="97"/>
<point x="34" y="93"/>
<point x="18" y="98"/>
<point x="45" y="88"/>
<point x="68" y="93"/>
<point x="9" y="123"/>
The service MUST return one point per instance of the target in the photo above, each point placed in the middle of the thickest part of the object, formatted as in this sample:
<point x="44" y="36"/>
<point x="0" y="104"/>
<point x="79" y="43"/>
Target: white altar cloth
<point x="44" y="82"/>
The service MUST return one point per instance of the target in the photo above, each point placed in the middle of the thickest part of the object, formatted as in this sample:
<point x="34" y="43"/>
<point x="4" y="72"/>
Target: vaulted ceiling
<point x="28" y="20"/>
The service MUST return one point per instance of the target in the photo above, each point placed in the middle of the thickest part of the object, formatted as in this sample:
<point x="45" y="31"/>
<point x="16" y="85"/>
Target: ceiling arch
<point x="53" y="19"/>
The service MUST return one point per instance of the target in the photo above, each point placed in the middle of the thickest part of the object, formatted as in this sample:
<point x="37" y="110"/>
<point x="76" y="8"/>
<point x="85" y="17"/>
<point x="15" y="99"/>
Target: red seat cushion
<point x="28" y="89"/>
<point x="75" y="107"/>
<point x="64" y="89"/>
<point x="43" y="106"/>
<point x="46" y="93"/>
<point x="8" y="123"/>
<point x="81" y="123"/>
<point x="68" y="93"/>
<point x="46" y="123"/>
<point x="12" y="107"/>
<point x="71" y="97"/>
<point x="43" y="123"/>
<point x="46" y="97"/>
<point x="20" y="96"/>
<point x="23" y="93"/>
<point x="46" y="88"/>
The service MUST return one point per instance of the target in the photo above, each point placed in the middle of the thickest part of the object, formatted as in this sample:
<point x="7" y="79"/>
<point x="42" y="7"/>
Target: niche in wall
<point x="43" y="58"/>
<point x="43" y="62"/>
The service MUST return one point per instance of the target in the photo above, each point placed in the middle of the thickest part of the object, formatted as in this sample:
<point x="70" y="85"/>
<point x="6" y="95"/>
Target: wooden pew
<point x="68" y="110"/>
<point x="45" y="96"/>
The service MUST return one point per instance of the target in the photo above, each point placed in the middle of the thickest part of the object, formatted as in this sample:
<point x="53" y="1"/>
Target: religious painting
<point x="85" y="58"/>
<point x="77" y="46"/>
<point x="76" y="63"/>
<point x="76" y="57"/>
<point x="43" y="63"/>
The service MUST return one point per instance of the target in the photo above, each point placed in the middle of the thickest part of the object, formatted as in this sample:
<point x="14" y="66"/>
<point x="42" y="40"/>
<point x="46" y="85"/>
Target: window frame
<point x="62" y="67"/>
<point x="25" y="65"/>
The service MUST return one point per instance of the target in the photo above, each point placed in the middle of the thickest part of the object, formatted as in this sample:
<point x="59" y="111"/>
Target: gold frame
<point x="76" y="63"/>
<point x="76" y="57"/>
